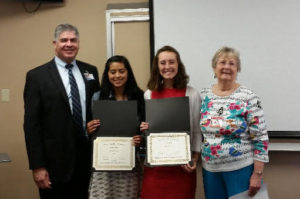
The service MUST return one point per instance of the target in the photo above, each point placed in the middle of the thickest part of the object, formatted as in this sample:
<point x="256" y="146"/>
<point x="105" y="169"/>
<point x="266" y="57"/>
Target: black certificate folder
<point x="168" y="115"/>
<point x="117" y="118"/>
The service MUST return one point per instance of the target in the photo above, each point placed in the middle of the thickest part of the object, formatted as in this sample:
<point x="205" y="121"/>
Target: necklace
<point x="224" y="92"/>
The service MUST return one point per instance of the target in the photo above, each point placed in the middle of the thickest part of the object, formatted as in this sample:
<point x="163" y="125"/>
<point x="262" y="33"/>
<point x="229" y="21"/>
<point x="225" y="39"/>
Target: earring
<point x="215" y="76"/>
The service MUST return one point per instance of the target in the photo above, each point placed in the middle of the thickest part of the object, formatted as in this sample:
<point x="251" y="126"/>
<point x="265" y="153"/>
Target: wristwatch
<point x="258" y="172"/>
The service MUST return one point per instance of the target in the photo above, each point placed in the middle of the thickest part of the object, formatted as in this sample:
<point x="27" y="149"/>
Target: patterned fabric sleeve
<point x="257" y="128"/>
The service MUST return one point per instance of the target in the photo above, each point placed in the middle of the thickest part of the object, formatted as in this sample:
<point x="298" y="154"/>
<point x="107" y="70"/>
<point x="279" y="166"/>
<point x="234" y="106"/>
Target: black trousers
<point x="77" y="186"/>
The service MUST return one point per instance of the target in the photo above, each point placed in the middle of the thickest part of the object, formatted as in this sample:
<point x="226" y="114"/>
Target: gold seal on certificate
<point x="168" y="149"/>
<point x="113" y="153"/>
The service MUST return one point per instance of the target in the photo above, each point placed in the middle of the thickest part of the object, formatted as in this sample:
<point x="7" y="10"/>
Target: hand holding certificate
<point x="261" y="194"/>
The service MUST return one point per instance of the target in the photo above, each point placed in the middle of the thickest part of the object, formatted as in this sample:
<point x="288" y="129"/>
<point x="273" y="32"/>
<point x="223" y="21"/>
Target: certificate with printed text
<point x="168" y="149"/>
<point x="113" y="153"/>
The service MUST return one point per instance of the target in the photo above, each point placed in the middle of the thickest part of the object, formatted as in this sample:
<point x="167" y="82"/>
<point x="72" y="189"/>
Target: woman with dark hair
<point x="118" y="83"/>
<point x="168" y="79"/>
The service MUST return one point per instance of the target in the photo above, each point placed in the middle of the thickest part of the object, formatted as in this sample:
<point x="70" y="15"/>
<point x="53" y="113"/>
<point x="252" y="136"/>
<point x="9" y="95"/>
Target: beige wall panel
<point x="282" y="175"/>
<point x="132" y="40"/>
<point x="199" y="188"/>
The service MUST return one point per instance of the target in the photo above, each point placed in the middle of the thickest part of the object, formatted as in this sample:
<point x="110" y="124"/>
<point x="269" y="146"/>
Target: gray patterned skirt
<point x="115" y="185"/>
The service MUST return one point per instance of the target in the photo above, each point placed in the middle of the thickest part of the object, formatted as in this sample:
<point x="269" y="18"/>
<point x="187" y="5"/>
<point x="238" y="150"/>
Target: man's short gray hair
<point x="65" y="27"/>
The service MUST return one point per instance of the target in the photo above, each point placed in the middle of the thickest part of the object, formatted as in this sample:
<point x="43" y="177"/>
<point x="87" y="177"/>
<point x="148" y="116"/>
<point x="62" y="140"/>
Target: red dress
<point x="171" y="182"/>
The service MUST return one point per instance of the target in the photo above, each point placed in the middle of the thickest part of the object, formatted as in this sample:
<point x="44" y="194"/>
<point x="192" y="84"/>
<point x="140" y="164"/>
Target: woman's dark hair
<point x="132" y="91"/>
<point x="180" y="80"/>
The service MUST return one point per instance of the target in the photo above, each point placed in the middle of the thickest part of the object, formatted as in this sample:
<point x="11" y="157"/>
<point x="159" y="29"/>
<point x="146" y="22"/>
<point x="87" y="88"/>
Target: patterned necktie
<point x="76" y="105"/>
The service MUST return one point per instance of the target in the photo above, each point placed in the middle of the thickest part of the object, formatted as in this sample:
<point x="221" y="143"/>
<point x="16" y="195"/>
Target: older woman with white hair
<point x="235" y="145"/>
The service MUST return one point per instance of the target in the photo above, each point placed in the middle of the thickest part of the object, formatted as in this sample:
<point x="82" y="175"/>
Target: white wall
<point x="265" y="32"/>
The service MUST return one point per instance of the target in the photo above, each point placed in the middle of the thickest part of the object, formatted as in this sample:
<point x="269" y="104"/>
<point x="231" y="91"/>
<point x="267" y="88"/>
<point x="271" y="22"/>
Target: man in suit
<point x="57" y="98"/>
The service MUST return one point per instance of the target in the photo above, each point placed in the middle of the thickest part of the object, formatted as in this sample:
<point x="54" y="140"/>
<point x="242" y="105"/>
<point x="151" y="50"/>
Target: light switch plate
<point x="5" y="95"/>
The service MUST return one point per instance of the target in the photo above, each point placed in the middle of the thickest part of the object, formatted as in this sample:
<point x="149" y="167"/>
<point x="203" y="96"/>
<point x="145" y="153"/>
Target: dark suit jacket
<point x="50" y="133"/>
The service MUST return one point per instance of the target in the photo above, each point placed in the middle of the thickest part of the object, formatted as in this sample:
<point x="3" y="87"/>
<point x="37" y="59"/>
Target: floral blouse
<point x="234" y="130"/>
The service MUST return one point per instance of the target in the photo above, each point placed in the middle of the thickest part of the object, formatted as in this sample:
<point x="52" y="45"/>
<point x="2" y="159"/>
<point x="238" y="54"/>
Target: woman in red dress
<point x="168" y="79"/>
